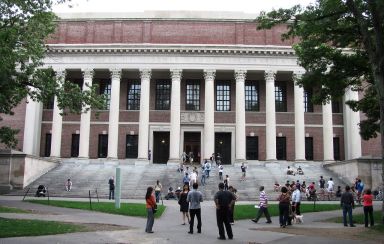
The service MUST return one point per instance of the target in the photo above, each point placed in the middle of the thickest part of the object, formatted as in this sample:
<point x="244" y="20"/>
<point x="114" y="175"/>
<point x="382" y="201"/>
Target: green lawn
<point x="128" y="209"/>
<point x="23" y="227"/>
<point x="249" y="211"/>
<point x="11" y="210"/>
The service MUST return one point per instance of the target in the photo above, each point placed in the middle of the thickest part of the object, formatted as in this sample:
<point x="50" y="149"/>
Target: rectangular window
<point x="336" y="106"/>
<point x="252" y="148"/>
<point x="132" y="146"/>
<point x="336" y="148"/>
<point x="75" y="145"/>
<point x="223" y="96"/>
<point x="163" y="95"/>
<point x="48" y="138"/>
<point x="309" y="148"/>
<point x="103" y="146"/>
<point x="105" y="89"/>
<point x="133" y="98"/>
<point x="251" y="96"/>
<point x="308" y="105"/>
<point x="192" y="101"/>
<point x="281" y="148"/>
<point x="280" y="97"/>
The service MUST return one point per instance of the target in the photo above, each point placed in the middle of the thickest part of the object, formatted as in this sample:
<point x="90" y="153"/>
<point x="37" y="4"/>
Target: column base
<point x="142" y="162"/>
<point x="83" y="160"/>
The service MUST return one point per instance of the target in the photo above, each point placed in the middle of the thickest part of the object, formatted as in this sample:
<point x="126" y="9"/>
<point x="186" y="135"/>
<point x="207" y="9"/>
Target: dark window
<point x="251" y="96"/>
<point x="75" y="145"/>
<point x="223" y="96"/>
<point x="133" y="98"/>
<point x="336" y="104"/>
<point x="132" y="146"/>
<point x="103" y="146"/>
<point x="163" y="94"/>
<point x="49" y="104"/>
<point x="105" y="89"/>
<point x="281" y="148"/>
<point x="252" y="148"/>
<point x="47" y="151"/>
<point x="336" y="148"/>
<point x="280" y="97"/>
<point x="192" y="101"/>
<point x="308" y="105"/>
<point x="309" y="148"/>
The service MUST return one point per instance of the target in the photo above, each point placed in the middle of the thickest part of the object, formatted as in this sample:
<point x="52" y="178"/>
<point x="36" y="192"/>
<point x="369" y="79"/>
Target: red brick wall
<point x="94" y="139"/>
<point x="125" y="130"/>
<point x="15" y="121"/>
<point x="66" y="139"/>
<point x="260" y="133"/>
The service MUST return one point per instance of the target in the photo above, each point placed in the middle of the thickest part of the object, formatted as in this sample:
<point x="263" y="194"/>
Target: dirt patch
<point x="358" y="233"/>
<point x="100" y="227"/>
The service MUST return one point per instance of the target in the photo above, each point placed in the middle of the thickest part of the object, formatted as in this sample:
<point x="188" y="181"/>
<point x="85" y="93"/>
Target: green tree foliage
<point x="24" y="27"/>
<point x="340" y="44"/>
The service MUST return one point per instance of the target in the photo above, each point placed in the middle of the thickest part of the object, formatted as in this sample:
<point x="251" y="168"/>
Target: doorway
<point x="160" y="147"/>
<point x="192" y="144"/>
<point x="223" y="146"/>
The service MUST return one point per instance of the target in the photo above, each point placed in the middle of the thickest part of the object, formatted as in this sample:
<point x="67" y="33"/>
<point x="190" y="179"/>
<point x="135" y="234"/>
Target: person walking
<point x="368" y="207"/>
<point x="184" y="204"/>
<point x="243" y="171"/>
<point x="263" y="207"/>
<point x="296" y="199"/>
<point x="158" y="188"/>
<point x="150" y="205"/>
<point x="68" y="185"/>
<point x="194" y="198"/>
<point x="347" y="203"/>
<point x="111" y="183"/>
<point x="360" y="189"/>
<point x="221" y="169"/>
<point x="223" y="200"/>
<point x="226" y="183"/>
<point x="284" y="201"/>
<point x="203" y="175"/>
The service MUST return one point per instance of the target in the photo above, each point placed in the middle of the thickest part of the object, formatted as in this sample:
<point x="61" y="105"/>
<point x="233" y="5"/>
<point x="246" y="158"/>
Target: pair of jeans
<point x="157" y="195"/>
<point x="263" y="210"/>
<point x="368" y="210"/>
<point x="150" y="220"/>
<point x="222" y="218"/>
<point x="283" y="213"/>
<point x="192" y="213"/>
<point x="347" y="209"/>
<point x="111" y="194"/>
<point x="203" y="177"/>
<point x="296" y="209"/>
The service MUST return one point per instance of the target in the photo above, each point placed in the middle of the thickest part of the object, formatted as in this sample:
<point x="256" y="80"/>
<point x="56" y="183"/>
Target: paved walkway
<point x="168" y="228"/>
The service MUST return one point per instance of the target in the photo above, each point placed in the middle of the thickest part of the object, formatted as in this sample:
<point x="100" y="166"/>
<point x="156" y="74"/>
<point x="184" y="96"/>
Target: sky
<point x="246" y="6"/>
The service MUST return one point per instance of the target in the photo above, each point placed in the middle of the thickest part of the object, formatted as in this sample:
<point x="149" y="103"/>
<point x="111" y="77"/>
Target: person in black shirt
<point x="224" y="200"/>
<point x="347" y="203"/>
<point x="111" y="183"/>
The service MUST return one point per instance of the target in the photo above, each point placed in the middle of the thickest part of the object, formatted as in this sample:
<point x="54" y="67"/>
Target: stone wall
<point x="368" y="170"/>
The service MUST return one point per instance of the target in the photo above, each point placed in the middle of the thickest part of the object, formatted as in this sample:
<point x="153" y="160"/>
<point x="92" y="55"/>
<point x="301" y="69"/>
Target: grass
<point x="22" y="227"/>
<point x="127" y="209"/>
<point x="359" y="219"/>
<point x="249" y="211"/>
<point x="12" y="210"/>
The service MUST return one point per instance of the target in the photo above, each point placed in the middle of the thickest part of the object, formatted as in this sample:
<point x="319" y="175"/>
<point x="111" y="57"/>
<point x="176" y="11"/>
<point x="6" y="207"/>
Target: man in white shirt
<point x="330" y="185"/>
<point x="296" y="199"/>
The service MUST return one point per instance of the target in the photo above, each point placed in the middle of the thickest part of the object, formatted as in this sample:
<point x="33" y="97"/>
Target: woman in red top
<point x="368" y="208"/>
<point x="150" y="204"/>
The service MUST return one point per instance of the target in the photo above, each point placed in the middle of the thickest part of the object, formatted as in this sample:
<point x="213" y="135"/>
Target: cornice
<point x="181" y="49"/>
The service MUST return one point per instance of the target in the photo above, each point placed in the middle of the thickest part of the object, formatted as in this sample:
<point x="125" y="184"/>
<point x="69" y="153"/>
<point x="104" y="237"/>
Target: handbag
<point x="154" y="209"/>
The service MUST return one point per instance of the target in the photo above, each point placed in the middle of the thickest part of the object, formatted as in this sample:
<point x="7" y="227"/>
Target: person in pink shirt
<point x="368" y="207"/>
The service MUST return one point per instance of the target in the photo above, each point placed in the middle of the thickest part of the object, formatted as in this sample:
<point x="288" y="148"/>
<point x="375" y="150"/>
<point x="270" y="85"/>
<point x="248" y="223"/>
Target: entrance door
<point x="281" y="148"/>
<point x="160" y="147"/>
<point x="223" y="146"/>
<point x="309" y="148"/>
<point x="192" y="142"/>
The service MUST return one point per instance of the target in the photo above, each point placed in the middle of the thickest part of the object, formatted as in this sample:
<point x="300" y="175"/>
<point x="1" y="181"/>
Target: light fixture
<point x="163" y="141"/>
<point x="221" y="142"/>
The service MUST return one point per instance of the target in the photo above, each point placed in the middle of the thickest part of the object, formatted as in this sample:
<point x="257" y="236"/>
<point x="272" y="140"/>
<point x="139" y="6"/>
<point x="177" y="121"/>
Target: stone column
<point x="270" y="135"/>
<point x="209" y="113"/>
<point x="114" y="110"/>
<point x="352" y="138"/>
<point x="85" y="120"/>
<point x="174" y="153"/>
<point x="327" y="132"/>
<point x="299" y="120"/>
<point x="32" y="126"/>
<point x="240" y="115"/>
<point x="145" y="75"/>
<point x="57" y="120"/>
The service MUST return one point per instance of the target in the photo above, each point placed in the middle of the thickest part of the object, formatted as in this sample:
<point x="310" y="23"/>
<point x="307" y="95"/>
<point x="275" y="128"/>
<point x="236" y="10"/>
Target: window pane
<point x="163" y="95"/>
<point x="133" y="98"/>
<point x="105" y="89"/>
<point x="251" y="96"/>
<point x="193" y="95"/>
<point x="223" y="96"/>
<point x="308" y="105"/>
<point x="280" y="97"/>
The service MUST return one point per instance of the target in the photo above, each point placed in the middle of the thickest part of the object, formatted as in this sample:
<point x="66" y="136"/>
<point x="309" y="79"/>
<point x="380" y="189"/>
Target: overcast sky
<point x="247" y="6"/>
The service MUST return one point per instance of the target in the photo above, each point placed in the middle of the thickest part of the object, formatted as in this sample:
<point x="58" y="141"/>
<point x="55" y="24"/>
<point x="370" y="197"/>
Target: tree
<point x="340" y="44"/>
<point x="24" y="28"/>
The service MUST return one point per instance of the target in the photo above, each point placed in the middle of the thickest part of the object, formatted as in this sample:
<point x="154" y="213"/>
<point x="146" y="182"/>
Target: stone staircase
<point x="94" y="177"/>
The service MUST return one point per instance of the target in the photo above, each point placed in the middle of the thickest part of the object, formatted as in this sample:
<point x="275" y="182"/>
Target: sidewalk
<point x="168" y="228"/>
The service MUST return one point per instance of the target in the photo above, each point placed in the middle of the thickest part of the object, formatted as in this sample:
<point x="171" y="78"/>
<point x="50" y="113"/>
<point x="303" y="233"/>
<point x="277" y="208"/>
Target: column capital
<point x="60" y="73"/>
<point x="209" y="74"/>
<point x="240" y="75"/>
<point x="297" y="74"/>
<point x="176" y="74"/>
<point x="145" y="74"/>
<point x="87" y="73"/>
<point x="270" y="75"/>
<point x="115" y="74"/>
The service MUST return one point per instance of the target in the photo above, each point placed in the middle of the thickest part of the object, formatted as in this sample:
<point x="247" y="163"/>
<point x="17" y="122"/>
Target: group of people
<point x="299" y="171"/>
<point x="190" y="208"/>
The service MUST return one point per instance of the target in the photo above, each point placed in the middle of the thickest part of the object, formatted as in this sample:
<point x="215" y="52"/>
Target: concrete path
<point x="168" y="228"/>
